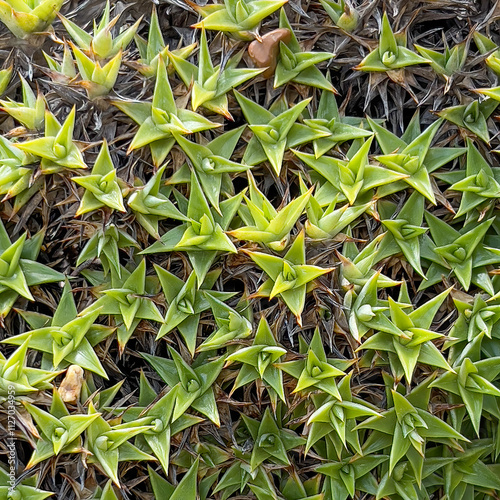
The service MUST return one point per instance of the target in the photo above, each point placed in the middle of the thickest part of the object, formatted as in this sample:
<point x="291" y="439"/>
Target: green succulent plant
<point x="154" y="48"/>
<point x="96" y="78"/>
<point x="265" y="224"/>
<point x="56" y="148"/>
<point x="288" y="276"/>
<point x="325" y="224"/>
<point x="335" y="418"/>
<point x="294" y="488"/>
<point x="477" y="183"/>
<point x="66" y="338"/>
<point x="356" y="267"/>
<point x="342" y="13"/>
<point x="472" y="383"/>
<point x="485" y="46"/>
<point x="5" y="76"/>
<point x="15" y="174"/>
<point x="472" y="116"/>
<point x="269" y="441"/>
<point x="343" y="478"/>
<point x="186" y="489"/>
<point x="297" y="66"/>
<point x="316" y="371"/>
<point x="402" y="481"/>
<point x="203" y="235"/>
<point x="62" y="69"/>
<point x="238" y="478"/>
<point x="412" y="155"/>
<point x="341" y="128"/>
<point x="194" y="384"/>
<point x="447" y="63"/>
<point x="366" y="311"/>
<point x="212" y="165"/>
<point x="105" y="244"/>
<point x="25" y="19"/>
<point x="186" y="301"/>
<point x="259" y="362"/>
<point x="405" y="429"/>
<point x="159" y="119"/>
<point x="476" y="329"/>
<point x="24" y="490"/>
<point x="408" y="339"/>
<point x="151" y="204"/>
<point x="239" y="18"/>
<point x="109" y="444"/>
<point x="467" y="470"/>
<point x="391" y="53"/>
<point x="159" y="413"/>
<point x="17" y="376"/>
<point x="19" y="268"/>
<point x="349" y="178"/>
<point x="209" y="85"/>
<point x="31" y="111"/>
<point x="232" y="326"/>
<point x="102" y="186"/>
<point x="60" y="431"/>
<point x="140" y="290"/>
<point x="275" y="130"/>
<point x="101" y="44"/>
<point x="462" y="252"/>
<point x="404" y="230"/>
<point x="129" y="301"/>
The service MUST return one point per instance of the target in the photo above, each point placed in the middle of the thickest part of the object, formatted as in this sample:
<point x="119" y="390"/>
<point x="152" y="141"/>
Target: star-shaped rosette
<point x="159" y="119"/>
<point x="316" y="371"/>
<point x="341" y="128"/>
<point x="151" y="204"/>
<point x="288" y="276"/>
<point x="239" y="18"/>
<point x="297" y="66"/>
<point x="472" y="116"/>
<point x="211" y="163"/>
<point x="275" y="130"/>
<point x="409" y="339"/>
<point x="391" y="53"/>
<point x="352" y="177"/>
<point x="263" y="223"/>
<point x="194" y="384"/>
<point x="203" y="236"/>
<point x="56" y="148"/>
<point x="259" y="362"/>
<point x="129" y="302"/>
<point x="463" y="253"/>
<point x="478" y="183"/>
<point x="209" y="85"/>
<point x="186" y="301"/>
<point x="60" y="431"/>
<point x="19" y="269"/>
<point x="68" y="337"/>
<point x="102" y="186"/>
<point x="404" y="230"/>
<point x="412" y="155"/>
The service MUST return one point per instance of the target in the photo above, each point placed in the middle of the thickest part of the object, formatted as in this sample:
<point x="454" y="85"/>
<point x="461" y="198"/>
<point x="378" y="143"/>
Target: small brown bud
<point x="71" y="386"/>
<point x="264" y="52"/>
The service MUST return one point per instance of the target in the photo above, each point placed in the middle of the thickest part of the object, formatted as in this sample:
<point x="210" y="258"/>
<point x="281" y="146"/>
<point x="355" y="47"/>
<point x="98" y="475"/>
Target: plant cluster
<point x="249" y="249"/>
